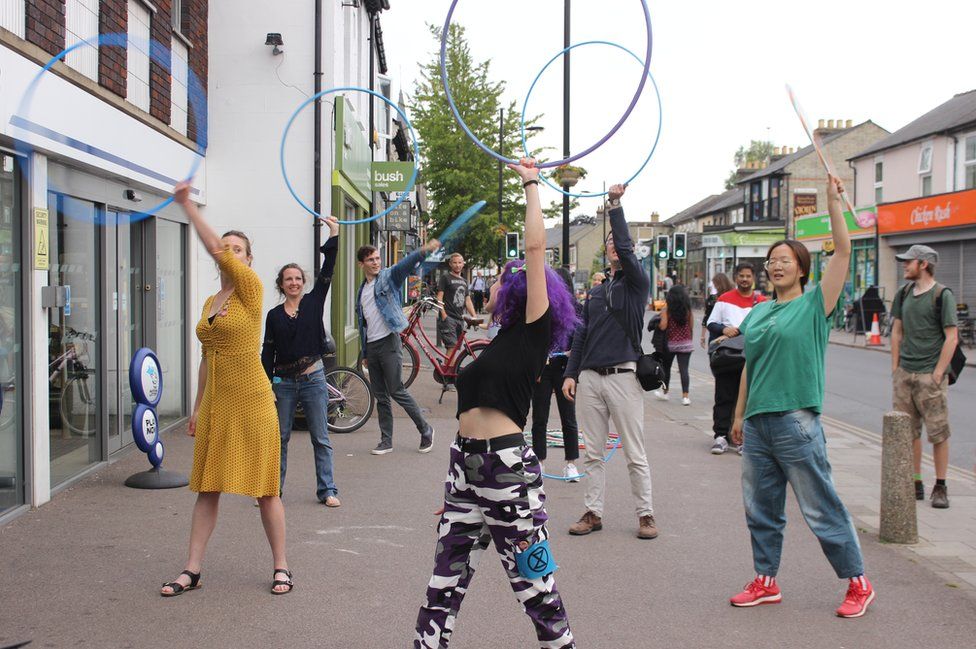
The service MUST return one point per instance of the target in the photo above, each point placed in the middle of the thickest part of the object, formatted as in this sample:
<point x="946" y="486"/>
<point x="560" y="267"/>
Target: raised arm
<point x="629" y="263"/>
<point x="537" y="301"/>
<point x="208" y="236"/>
<point x="268" y="348"/>
<point x="408" y="264"/>
<point x="835" y="275"/>
<point x="330" y="250"/>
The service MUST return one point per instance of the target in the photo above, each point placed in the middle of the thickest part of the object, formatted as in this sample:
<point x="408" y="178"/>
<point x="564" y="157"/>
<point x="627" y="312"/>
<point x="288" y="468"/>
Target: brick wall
<point x="45" y="24"/>
<point x="194" y="27"/>
<point x="161" y="33"/>
<point x="113" y="18"/>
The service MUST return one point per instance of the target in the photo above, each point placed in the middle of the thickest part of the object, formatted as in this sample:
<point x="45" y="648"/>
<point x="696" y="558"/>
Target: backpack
<point x="958" y="360"/>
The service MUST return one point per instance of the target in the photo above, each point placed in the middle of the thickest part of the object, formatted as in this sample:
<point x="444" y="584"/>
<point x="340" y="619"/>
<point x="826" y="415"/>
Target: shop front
<point x="12" y="384"/>
<point x="814" y="232"/>
<point x="944" y="222"/>
<point x="724" y="251"/>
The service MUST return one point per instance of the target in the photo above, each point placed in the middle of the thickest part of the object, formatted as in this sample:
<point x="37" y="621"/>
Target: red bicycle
<point x="446" y="366"/>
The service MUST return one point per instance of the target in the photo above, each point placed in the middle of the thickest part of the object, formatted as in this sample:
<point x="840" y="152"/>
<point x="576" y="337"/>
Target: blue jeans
<point x="312" y="392"/>
<point x="791" y="447"/>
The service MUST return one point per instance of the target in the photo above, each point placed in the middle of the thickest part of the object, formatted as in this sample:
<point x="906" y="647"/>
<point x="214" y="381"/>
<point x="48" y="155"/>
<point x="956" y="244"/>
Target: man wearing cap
<point x="923" y="339"/>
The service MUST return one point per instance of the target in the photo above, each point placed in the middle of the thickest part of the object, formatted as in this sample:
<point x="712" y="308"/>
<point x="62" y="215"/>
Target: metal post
<point x="317" y="138"/>
<point x="372" y="102"/>
<point x="501" y="179"/>
<point x="898" y="519"/>
<point x="566" y="154"/>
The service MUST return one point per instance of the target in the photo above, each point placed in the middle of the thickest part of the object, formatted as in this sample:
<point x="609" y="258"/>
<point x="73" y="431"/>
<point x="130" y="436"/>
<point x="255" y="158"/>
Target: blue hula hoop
<point x="460" y="222"/>
<point x="156" y="50"/>
<point x="588" y="150"/>
<point x="657" y="138"/>
<point x="606" y="459"/>
<point x="406" y="120"/>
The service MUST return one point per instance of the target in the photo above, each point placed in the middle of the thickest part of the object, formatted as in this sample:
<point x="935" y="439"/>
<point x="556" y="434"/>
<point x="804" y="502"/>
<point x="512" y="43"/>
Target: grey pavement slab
<point x="85" y="569"/>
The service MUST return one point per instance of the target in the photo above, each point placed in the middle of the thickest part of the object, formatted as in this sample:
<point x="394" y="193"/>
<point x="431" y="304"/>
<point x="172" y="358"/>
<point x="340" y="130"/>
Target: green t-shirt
<point x="924" y="332"/>
<point x="785" y="346"/>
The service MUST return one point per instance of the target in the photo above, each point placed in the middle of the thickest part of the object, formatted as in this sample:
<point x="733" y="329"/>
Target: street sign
<point x="398" y="219"/>
<point x="391" y="176"/>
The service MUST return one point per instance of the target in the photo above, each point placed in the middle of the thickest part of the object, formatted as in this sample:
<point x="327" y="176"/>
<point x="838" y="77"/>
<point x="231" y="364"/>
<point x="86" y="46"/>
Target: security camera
<point x="132" y="195"/>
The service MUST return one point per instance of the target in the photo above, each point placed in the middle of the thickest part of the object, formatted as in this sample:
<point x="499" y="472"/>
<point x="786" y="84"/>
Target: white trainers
<point x="685" y="401"/>
<point x="571" y="473"/>
<point x="720" y="446"/>
<point x="738" y="449"/>
<point x="661" y="395"/>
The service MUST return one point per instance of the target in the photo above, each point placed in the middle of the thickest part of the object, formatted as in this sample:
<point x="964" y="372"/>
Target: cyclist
<point x="294" y="343"/>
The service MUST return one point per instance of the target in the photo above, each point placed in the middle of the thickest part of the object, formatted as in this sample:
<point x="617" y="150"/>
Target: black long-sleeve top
<point x="292" y="345"/>
<point x="601" y="341"/>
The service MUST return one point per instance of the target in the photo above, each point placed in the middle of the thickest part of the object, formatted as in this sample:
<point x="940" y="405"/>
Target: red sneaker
<point x="757" y="592"/>
<point x="859" y="594"/>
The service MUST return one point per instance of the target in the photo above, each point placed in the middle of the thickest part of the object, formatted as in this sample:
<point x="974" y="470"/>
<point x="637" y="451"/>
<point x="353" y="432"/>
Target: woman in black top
<point x="294" y="342"/>
<point x="493" y="490"/>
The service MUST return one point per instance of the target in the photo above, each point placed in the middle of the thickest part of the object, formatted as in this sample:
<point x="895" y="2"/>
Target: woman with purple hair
<point x="493" y="491"/>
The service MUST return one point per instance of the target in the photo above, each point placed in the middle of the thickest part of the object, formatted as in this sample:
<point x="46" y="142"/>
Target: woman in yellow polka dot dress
<point x="237" y="447"/>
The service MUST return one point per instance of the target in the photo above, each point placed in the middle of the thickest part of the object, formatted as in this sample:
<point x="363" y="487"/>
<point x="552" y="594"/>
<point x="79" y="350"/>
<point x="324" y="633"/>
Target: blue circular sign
<point x="145" y="427"/>
<point x="156" y="454"/>
<point x="146" y="377"/>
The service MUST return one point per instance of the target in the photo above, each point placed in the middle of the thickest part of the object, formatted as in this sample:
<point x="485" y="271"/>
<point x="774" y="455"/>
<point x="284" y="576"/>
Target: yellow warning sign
<point x="41" y="240"/>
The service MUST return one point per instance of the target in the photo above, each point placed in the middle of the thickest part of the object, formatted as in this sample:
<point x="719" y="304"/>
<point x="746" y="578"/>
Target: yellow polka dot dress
<point x="238" y="446"/>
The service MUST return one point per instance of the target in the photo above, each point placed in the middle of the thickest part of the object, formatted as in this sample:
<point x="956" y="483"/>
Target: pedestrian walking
<point x="676" y="321"/>
<point x="379" y="310"/>
<point x="493" y="490"/>
<point x="478" y="291"/>
<point x="453" y="293"/>
<point x="924" y="337"/>
<point x="294" y="344"/>
<point x="603" y="365"/>
<point x="777" y="418"/>
<point x="720" y="284"/>
<point x="729" y="311"/>
<point x="237" y="445"/>
<point x="552" y="381"/>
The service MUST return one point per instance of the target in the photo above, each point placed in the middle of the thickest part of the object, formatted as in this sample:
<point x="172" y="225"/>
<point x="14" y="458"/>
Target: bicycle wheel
<point x="411" y="363"/>
<point x="351" y="400"/>
<point x="464" y="358"/>
<point x="78" y="407"/>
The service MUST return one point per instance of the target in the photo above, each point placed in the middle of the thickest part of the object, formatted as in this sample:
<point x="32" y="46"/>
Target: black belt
<point x="468" y="445"/>
<point x="603" y="371"/>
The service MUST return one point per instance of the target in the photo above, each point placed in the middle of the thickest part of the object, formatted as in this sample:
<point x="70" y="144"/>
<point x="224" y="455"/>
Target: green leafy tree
<point x="456" y="172"/>
<point x="757" y="151"/>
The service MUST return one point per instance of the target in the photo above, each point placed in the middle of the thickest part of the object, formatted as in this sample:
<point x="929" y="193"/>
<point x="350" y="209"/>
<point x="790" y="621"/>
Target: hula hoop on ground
<point x="399" y="111"/>
<point x="660" y="121"/>
<point x="155" y="49"/>
<point x="616" y="443"/>
<point x="588" y="150"/>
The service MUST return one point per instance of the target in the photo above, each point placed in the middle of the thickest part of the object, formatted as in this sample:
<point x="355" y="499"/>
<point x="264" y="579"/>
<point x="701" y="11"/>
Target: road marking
<point x="340" y="530"/>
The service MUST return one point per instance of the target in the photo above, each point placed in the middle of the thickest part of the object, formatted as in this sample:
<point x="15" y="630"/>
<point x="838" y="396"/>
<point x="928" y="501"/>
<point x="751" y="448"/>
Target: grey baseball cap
<point x="922" y="253"/>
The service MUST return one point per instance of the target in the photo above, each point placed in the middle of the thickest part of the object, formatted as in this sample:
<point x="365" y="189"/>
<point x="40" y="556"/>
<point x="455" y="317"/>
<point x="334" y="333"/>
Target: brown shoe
<point x="590" y="522"/>
<point x="646" y="528"/>
<point x="940" y="497"/>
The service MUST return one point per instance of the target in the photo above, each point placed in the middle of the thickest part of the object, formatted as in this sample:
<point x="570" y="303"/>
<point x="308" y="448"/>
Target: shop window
<point x="171" y="318"/>
<point x="12" y="388"/>
<point x="137" y="56"/>
<point x="13" y="16"/>
<point x="81" y="23"/>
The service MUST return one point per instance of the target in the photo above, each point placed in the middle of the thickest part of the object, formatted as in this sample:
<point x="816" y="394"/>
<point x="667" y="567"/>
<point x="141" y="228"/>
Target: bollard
<point x="898" y="520"/>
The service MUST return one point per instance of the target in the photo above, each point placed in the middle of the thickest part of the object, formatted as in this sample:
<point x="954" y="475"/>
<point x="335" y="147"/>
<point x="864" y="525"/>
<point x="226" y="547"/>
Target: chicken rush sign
<point x="391" y="176"/>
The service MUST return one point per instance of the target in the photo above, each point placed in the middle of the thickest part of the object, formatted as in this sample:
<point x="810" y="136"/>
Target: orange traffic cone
<point x="875" y="338"/>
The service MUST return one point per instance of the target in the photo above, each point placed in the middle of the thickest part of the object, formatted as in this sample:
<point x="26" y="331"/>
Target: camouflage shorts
<point x="923" y="400"/>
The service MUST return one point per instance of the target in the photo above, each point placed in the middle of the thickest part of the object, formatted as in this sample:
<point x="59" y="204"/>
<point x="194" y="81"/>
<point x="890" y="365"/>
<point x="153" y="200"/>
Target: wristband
<point x="526" y="184"/>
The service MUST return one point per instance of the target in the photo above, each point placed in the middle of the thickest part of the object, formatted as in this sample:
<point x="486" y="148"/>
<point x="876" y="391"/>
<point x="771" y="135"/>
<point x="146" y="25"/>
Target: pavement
<point x="860" y="341"/>
<point x="84" y="570"/>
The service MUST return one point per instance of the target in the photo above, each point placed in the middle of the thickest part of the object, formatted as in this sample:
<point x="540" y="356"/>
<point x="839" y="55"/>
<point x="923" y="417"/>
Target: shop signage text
<point x="818" y="227"/>
<point x="932" y="212"/>
<point x="41" y="239"/>
<point x="804" y="204"/>
<point x="391" y="176"/>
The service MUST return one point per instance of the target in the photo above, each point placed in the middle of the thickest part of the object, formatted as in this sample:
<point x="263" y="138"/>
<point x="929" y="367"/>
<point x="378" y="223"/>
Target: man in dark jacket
<point x="603" y="362"/>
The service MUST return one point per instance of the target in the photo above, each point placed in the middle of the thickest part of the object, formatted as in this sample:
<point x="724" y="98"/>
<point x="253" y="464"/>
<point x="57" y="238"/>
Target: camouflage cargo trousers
<point x="495" y="496"/>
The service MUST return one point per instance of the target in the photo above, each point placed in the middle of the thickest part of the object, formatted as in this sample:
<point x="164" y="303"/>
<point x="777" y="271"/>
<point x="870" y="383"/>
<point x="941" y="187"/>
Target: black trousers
<point x="552" y="381"/>
<point x="726" y="394"/>
<point x="684" y="358"/>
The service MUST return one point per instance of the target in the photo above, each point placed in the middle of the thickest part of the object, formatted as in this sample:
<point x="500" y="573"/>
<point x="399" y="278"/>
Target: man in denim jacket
<point x="379" y="310"/>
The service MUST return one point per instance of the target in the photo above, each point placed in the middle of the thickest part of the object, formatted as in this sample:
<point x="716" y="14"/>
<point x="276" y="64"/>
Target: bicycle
<point x="446" y="366"/>
<point x="351" y="400"/>
<point x="76" y="404"/>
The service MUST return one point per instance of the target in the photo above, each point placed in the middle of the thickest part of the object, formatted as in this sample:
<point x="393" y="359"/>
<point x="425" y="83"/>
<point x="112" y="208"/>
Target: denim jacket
<point x="388" y="292"/>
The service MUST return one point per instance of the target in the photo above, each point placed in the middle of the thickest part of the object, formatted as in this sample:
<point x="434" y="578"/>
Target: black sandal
<point x="178" y="588"/>
<point x="280" y="582"/>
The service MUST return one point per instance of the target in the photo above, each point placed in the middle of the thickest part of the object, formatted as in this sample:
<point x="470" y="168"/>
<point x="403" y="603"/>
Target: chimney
<point x="849" y="123"/>
<point x="655" y="217"/>
<point x="820" y="123"/>
<point x="830" y="123"/>
<point x="777" y="151"/>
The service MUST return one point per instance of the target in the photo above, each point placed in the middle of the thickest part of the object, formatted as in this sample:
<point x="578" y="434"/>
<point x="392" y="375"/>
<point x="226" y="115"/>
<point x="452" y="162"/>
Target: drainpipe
<point x="317" y="137"/>
<point x="372" y="101"/>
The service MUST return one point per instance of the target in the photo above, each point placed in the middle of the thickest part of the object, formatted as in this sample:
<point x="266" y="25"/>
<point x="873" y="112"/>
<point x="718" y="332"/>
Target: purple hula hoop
<point x="556" y="163"/>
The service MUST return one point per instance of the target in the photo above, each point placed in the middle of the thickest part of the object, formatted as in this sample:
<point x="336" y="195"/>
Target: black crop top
<point x="504" y="374"/>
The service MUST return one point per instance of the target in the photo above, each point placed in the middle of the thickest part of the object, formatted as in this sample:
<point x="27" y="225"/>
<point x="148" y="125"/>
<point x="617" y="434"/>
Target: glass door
<point x="11" y="374"/>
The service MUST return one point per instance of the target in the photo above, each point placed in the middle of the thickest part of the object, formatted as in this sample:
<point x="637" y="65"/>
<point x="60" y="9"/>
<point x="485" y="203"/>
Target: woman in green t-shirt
<point x="777" y="417"/>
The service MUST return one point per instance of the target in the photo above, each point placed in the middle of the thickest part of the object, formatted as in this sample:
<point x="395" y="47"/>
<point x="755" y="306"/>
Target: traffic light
<point x="680" y="245"/>
<point x="663" y="246"/>
<point x="511" y="245"/>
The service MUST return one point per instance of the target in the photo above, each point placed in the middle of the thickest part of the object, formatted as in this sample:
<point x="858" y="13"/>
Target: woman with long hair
<point x="234" y="422"/>
<point x="720" y="284"/>
<point x="493" y="491"/>
<point x="675" y="321"/>
<point x="777" y="418"/>
<point x="294" y="343"/>
<point x="552" y="381"/>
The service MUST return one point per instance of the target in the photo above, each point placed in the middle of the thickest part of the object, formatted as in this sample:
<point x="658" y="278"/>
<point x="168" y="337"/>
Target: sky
<point x="721" y="68"/>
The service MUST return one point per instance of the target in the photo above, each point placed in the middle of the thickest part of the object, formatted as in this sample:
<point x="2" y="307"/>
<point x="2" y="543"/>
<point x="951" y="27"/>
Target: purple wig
<point x="512" y="295"/>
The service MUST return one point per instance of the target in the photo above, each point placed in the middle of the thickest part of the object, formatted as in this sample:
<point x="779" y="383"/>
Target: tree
<point x="456" y="172"/>
<point x="758" y="151"/>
